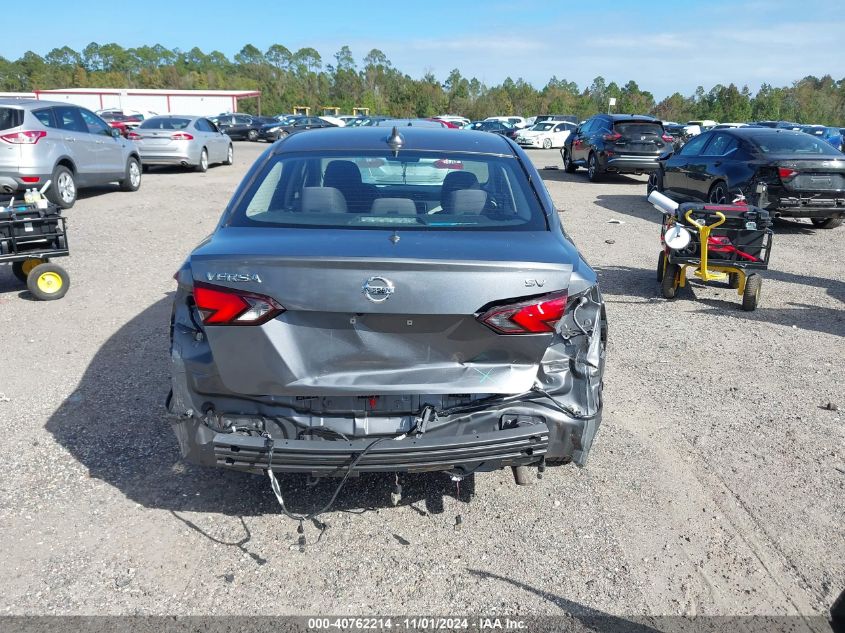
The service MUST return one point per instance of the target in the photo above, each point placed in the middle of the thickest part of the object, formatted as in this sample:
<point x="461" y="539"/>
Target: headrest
<point x="394" y="206"/>
<point x="322" y="200"/>
<point x="340" y="173"/>
<point x="467" y="201"/>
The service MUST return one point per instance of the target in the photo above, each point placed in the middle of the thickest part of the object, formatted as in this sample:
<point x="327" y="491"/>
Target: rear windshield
<point x="634" y="128"/>
<point x="10" y="117"/>
<point x="798" y="144"/>
<point x="375" y="190"/>
<point x="165" y="124"/>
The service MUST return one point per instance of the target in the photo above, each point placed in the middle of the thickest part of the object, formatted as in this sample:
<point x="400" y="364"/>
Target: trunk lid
<point x="422" y="339"/>
<point x="811" y="175"/>
<point x="641" y="138"/>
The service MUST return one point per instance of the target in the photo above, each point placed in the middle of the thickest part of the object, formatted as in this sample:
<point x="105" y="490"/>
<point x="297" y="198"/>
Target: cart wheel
<point x="669" y="283"/>
<point x="21" y="269"/>
<point x="751" y="296"/>
<point x="733" y="280"/>
<point x="47" y="282"/>
<point x="661" y="264"/>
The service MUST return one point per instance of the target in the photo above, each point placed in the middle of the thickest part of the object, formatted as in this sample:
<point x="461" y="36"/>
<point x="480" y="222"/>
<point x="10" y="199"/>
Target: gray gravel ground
<point x="715" y="485"/>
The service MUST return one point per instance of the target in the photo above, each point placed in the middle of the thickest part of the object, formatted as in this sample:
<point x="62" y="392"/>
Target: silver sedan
<point x="189" y="141"/>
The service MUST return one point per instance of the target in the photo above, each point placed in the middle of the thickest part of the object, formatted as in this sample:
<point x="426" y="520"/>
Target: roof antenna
<point x="395" y="141"/>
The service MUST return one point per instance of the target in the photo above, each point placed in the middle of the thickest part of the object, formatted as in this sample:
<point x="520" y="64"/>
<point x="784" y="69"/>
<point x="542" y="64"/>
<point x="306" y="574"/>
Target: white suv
<point x="63" y="143"/>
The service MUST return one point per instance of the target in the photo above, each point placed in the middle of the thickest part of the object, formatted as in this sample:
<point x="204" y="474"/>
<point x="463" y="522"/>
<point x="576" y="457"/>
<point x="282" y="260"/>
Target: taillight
<point x="614" y="136"/>
<point x="667" y="138"/>
<point x="219" y="305"/>
<point x="24" y="138"/>
<point x="181" y="136"/>
<point x="786" y="173"/>
<point x="535" y="316"/>
<point x="134" y="136"/>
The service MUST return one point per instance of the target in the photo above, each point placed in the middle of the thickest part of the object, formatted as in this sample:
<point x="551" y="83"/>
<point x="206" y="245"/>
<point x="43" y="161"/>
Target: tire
<point x="661" y="264"/>
<point x="132" y="182"/>
<point x="547" y="143"/>
<point x="826" y="223"/>
<point x="593" y="170"/>
<point x="751" y="296"/>
<point x="230" y="156"/>
<point x="252" y="135"/>
<point x="718" y="194"/>
<point x="568" y="166"/>
<point x="668" y="285"/>
<point x="733" y="280"/>
<point x="48" y="282"/>
<point x="655" y="182"/>
<point x="63" y="190"/>
<point x="202" y="166"/>
<point x="21" y="269"/>
<point x="837" y="614"/>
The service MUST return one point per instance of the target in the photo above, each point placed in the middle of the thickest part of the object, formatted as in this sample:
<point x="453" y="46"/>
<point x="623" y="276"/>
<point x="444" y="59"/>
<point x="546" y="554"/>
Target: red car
<point x="120" y="121"/>
<point x="448" y="124"/>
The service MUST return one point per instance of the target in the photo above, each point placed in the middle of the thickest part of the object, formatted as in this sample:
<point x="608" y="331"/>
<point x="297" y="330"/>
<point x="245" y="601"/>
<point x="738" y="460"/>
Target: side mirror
<point x="115" y="132"/>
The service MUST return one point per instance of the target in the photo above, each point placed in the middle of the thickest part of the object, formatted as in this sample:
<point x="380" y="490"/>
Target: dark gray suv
<point x="63" y="143"/>
<point x="615" y="143"/>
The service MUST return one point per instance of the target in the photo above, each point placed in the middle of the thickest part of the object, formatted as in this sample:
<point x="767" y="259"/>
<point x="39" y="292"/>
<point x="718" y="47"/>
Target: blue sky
<point x="665" y="46"/>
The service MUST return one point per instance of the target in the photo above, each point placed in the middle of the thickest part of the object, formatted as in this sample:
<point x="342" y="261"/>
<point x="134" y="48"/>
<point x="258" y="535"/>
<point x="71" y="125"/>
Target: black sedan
<point x="496" y="127"/>
<point x="241" y="126"/>
<point x="804" y="176"/>
<point x="271" y="132"/>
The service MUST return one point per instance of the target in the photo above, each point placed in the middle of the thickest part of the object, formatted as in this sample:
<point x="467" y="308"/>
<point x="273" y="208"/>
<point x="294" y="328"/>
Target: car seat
<point x="345" y="176"/>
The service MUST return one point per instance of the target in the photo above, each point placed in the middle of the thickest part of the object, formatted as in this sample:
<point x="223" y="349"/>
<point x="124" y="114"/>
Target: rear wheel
<point x="22" y="269"/>
<point x="669" y="283"/>
<point x="593" y="171"/>
<point x="751" y="296"/>
<point x="202" y="166"/>
<point x="230" y="156"/>
<point x="132" y="181"/>
<point x="63" y="191"/>
<point x="568" y="166"/>
<point x="48" y="282"/>
<point x="655" y="182"/>
<point x="252" y="135"/>
<point x="718" y="194"/>
<point x="826" y="223"/>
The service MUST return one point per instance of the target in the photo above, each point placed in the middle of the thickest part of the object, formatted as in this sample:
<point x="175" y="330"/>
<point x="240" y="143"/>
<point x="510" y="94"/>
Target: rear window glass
<point x="10" y="117"/>
<point x="376" y="190"/>
<point x="165" y="124"/>
<point x="799" y="144"/>
<point x="631" y="128"/>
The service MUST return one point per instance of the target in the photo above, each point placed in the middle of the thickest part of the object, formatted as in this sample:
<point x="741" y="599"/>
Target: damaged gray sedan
<point x="387" y="301"/>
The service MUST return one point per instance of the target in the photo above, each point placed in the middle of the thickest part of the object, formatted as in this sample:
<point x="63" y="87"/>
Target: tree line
<point x="289" y="79"/>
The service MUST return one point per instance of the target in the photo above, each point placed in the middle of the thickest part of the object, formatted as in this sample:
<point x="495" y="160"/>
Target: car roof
<point x="747" y="131"/>
<point x="629" y="117"/>
<point x="30" y="103"/>
<point x="414" y="138"/>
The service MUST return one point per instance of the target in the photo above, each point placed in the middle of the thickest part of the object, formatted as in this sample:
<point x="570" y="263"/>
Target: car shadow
<point x="799" y="315"/>
<point x="634" y="206"/>
<point x="580" y="176"/>
<point x="793" y="226"/>
<point x="593" y="619"/>
<point x="114" y="425"/>
<point x="628" y="281"/>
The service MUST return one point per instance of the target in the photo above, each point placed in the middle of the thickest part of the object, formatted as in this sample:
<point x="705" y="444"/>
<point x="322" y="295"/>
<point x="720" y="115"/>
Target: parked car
<point x="368" y="121"/>
<point x="704" y="124"/>
<point x="182" y="140"/>
<point x="241" y="126"/>
<point x="496" y="127"/>
<point x="449" y="124"/>
<point x="68" y="145"/>
<point x="804" y="176"/>
<point x="830" y="135"/>
<point x="272" y="132"/>
<point x="615" y="143"/>
<point x="403" y="123"/>
<point x="556" y="117"/>
<point x="121" y="122"/>
<point x="336" y="121"/>
<point x="465" y="331"/>
<point x="678" y="133"/>
<point x="460" y="121"/>
<point x="135" y="114"/>
<point x="515" y="121"/>
<point x="545" y="134"/>
<point x="727" y="126"/>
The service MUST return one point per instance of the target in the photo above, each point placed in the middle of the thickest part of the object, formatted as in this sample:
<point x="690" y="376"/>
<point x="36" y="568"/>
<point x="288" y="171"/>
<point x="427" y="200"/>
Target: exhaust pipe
<point x="7" y="189"/>
<point x="184" y="163"/>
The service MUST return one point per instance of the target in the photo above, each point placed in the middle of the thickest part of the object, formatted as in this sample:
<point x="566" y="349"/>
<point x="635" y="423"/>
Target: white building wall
<point x="200" y="105"/>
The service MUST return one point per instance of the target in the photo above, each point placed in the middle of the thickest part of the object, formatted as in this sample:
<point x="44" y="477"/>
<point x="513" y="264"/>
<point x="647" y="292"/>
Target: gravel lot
<point x="716" y="484"/>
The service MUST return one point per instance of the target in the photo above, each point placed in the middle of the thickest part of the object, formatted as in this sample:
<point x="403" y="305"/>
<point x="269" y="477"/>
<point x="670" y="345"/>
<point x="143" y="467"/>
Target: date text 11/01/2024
<point x="416" y="624"/>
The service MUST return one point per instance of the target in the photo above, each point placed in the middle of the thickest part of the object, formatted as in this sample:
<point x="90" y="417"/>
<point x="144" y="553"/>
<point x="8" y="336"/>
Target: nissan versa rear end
<point x="375" y="300"/>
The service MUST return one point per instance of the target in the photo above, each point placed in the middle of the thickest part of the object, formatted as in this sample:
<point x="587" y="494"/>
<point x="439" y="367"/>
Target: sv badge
<point x="535" y="283"/>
